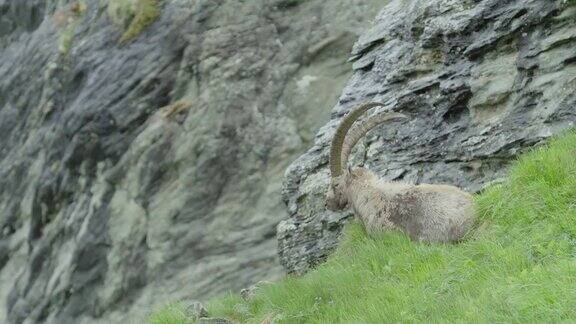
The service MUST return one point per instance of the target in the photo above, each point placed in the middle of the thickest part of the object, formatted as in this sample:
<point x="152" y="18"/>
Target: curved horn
<point x="338" y="139"/>
<point x="356" y="133"/>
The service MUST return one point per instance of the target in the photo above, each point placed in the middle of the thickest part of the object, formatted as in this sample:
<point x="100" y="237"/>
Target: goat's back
<point x="433" y="213"/>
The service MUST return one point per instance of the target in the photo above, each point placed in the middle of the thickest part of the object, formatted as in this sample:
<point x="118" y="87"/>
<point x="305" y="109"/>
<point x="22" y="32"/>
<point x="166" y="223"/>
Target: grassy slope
<point x="519" y="265"/>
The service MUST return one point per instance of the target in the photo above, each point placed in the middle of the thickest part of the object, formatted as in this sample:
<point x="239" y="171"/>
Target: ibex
<point x="425" y="212"/>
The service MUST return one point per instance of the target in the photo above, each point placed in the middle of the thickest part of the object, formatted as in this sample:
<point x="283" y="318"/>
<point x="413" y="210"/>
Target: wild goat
<point x="426" y="212"/>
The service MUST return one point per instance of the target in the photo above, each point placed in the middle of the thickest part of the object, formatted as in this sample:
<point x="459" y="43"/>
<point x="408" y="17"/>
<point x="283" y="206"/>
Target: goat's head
<point x="341" y="147"/>
<point x="335" y="197"/>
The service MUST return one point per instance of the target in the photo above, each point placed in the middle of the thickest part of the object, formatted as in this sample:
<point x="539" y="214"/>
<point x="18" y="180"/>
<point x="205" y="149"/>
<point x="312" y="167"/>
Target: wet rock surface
<point x="138" y="173"/>
<point x="482" y="81"/>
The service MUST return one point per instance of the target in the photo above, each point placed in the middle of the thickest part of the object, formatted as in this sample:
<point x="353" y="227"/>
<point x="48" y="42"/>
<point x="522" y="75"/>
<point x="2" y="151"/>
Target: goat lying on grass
<point x="426" y="212"/>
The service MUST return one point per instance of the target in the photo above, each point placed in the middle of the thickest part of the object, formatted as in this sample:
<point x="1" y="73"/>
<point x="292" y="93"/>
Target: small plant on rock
<point x="67" y="20"/>
<point x="133" y="16"/>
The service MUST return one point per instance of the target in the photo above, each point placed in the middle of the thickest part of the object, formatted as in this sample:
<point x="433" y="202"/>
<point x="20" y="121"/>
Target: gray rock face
<point x="136" y="174"/>
<point x="481" y="80"/>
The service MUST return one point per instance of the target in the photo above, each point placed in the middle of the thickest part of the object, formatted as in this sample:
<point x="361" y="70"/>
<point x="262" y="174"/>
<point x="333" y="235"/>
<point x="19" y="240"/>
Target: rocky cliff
<point x="481" y="81"/>
<point x="143" y="143"/>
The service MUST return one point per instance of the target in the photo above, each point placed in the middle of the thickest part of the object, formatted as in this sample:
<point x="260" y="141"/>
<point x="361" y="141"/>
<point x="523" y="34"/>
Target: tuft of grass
<point x="170" y="314"/>
<point x="121" y="12"/>
<point x="518" y="265"/>
<point x="67" y="20"/>
<point x="133" y="15"/>
<point x="66" y="38"/>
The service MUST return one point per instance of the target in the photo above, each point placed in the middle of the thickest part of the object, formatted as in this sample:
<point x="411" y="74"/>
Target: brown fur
<point x="431" y="213"/>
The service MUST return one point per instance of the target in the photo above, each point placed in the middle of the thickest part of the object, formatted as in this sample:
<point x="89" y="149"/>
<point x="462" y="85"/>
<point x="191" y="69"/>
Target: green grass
<point x="67" y="20"/>
<point x="66" y="38"/>
<point x="170" y="314"/>
<point x="147" y="11"/>
<point x="133" y="15"/>
<point x="518" y="265"/>
<point x="121" y="12"/>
